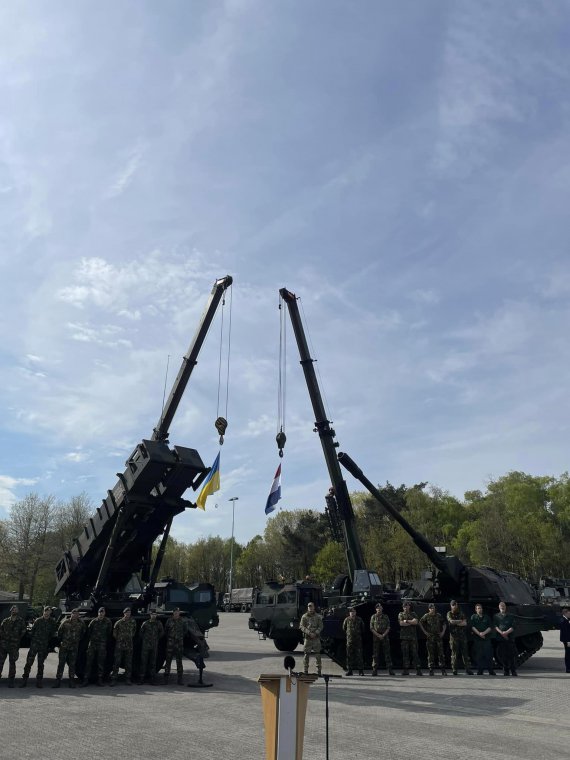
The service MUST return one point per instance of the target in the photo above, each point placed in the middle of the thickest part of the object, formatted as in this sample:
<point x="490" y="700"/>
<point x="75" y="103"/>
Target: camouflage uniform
<point x="353" y="628"/>
<point x="124" y="632"/>
<point x="433" y="625"/>
<point x="151" y="632"/>
<point x="70" y="633"/>
<point x="380" y="623"/>
<point x="100" y="630"/>
<point x="11" y="631"/>
<point x="409" y="641"/>
<point x="311" y="625"/>
<point x="458" y="640"/>
<point x="198" y="640"/>
<point x="43" y="630"/>
<point x="175" y="630"/>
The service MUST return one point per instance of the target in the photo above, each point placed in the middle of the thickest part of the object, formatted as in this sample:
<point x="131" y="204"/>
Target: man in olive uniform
<point x="100" y="630"/>
<point x="434" y="627"/>
<point x="504" y="624"/>
<point x="11" y="631"/>
<point x="458" y="637"/>
<point x="43" y="629"/>
<point x="482" y="631"/>
<point x="70" y="633"/>
<point x="151" y="631"/>
<point x="175" y="630"/>
<point x="409" y="639"/>
<point x="311" y="626"/>
<point x="380" y="628"/>
<point x="353" y="628"/>
<point x="124" y="632"/>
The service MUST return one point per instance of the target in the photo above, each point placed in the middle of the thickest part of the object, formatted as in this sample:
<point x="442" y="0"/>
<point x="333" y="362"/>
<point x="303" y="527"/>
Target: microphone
<point x="289" y="663"/>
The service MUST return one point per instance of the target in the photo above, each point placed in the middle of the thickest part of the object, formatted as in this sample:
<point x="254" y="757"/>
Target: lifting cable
<point x="281" y="389"/>
<point x="221" y="423"/>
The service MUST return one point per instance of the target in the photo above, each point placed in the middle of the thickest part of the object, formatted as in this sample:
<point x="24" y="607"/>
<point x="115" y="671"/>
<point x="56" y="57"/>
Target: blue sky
<point x="403" y="167"/>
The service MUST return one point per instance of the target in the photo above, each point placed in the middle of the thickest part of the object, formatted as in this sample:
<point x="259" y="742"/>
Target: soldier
<point x="353" y="628"/>
<point x="409" y="639"/>
<point x="458" y="637"/>
<point x="70" y="633"/>
<point x="564" y="636"/>
<point x="380" y="628"/>
<point x="124" y="632"/>
<point x="432" y="624"/>
<point x="482" y="647"/>
<point x="505" y="627"/>
<point x="175" y="630"/>
<point x="42" y="631"/>
<point x="151" y="631"/>
<point x="311" y="626"/>
<point x="100" y="629"/>
<point x="11" y="631"/>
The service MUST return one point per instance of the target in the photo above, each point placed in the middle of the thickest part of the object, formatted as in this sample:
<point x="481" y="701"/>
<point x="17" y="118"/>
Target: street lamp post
<point x="233" y="501"/>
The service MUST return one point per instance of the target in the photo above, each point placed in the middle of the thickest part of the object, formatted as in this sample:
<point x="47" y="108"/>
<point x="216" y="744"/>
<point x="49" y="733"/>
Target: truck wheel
<point x="286" y="644"/>
<point x="227" y="608"/>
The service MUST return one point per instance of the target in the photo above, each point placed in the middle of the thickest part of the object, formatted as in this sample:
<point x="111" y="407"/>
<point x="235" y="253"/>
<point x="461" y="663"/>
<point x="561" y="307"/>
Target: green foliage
<point x="329" y="562"/>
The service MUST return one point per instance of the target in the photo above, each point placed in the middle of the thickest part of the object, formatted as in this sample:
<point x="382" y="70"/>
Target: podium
<point x="284" y="703"/>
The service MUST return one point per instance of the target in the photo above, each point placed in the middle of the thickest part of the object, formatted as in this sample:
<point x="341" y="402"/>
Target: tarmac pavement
<point x="526" y="718"/>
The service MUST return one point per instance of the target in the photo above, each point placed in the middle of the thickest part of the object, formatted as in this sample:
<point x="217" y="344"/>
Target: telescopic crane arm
<point x="355" y="557"/>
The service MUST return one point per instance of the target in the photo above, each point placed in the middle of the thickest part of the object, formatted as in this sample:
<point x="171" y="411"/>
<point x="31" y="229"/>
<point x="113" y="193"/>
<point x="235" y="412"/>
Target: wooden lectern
<point x="284" y="702"/>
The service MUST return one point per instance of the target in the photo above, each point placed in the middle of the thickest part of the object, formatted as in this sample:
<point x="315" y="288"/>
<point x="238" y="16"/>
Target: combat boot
<point x="391" y="672"/>
<point x="180" y="681"/>
<point x="24" y="682"/>
<point x="349" y="672"/>
<point x="360" y="672"/>
<point x="99" y="682"/>
<point x="374" y="672"/>
<point x="166" y="678"/>
<point x="431" y="672"/>
<point x="11" y="683"/>
<point x="129" y="682"/>
<point x="85" y="682"/>
<point x="469" y="672"/>
<point x="72" y="684"/>
<point x="492" y="673"/>
<point x="419" y="672"/>
<point x="405" y="672"/>
<point x="57" y="684"/>
<point x="454" y="672"/>
<point x="140" y="682"/>
<point x="39" y="682"/>
<point x="113" y="682"/>
<point x="443" y="672"/>
<point x="514" y="673"/>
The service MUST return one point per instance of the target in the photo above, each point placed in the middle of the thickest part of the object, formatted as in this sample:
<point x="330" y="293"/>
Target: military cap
<point x="101" y="609"/>
<point x="453" y="602"/>
<point x="47" y="608"/>
<point x="127" y="609"/>
<point x="431" y="606"/>
<point x="13" y="607"/>
<point x="378" y="606"/>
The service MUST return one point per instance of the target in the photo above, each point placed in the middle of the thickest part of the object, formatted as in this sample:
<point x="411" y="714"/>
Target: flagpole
<point x="233" y="501"/>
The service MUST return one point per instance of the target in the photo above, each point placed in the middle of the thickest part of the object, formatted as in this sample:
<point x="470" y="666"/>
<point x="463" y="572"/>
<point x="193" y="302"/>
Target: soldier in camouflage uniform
<point x="311" y="626"/>
<point x="353" y="628"/>
<point x="100" y="630"/>
<point x="11" y="631"/>
<point x="175" y="630"/>
<point x="151" y="632"/>
<point x="124" y="632"/>
<point x="70" y="633"/>
<point x="42" y="631"/>
<point x="434" y="627"/>
<point x="409" y="638"/>
<point x="458" y="638"/>
<point x="380" y="629"/>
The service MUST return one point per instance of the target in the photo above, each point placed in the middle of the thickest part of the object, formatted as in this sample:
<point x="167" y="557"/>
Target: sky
<point x="403" y="168"/>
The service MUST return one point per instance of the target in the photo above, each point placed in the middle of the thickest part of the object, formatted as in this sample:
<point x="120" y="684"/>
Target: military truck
<point x="114" y="562"/>
<point x="239" y="600"/>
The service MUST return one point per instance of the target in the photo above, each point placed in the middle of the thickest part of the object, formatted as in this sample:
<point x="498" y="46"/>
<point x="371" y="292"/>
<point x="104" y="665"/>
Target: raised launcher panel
<point x="151" y="490"/>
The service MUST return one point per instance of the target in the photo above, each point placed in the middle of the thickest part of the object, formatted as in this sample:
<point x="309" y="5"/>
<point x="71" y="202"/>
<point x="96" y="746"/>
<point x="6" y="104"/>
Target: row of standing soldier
<point x="433" y="626"/>
<point x="100" y="630"/>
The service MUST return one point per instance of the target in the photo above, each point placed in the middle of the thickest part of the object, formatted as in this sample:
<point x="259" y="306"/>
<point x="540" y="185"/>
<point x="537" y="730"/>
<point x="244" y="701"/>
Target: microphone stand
<point x="326" y="677"/>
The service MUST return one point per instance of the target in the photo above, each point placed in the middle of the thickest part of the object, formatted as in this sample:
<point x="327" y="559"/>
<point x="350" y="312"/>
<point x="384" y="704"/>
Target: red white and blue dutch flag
<point x="275" y="493"/>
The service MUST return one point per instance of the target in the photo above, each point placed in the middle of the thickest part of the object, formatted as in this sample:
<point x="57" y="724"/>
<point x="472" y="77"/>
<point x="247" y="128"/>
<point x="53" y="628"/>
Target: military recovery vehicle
<point x="113" y="563"/>
<point x="363" y="589"/>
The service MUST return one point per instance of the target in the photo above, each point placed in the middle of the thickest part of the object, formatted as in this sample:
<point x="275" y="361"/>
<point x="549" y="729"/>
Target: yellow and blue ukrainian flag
<point x="211" y="484"/>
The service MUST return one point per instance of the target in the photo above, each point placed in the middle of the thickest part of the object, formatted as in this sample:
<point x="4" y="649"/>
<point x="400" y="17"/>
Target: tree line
<point x="520" y="523"/>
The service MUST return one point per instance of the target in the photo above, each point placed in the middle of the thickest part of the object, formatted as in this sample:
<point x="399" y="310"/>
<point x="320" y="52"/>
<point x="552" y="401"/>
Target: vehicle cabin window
<point x="287" y="597"/>
<point x="266" y="599"/>
<point x="203" y="597"/>
<point x="178" y="595"/>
